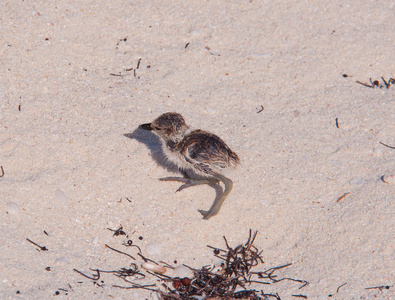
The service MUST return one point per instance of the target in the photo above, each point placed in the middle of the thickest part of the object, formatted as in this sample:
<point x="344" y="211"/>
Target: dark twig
<point x="387" y="287"/>
<point x="123" y="272"/>
<point x="113" y="249"/>
<point x="94" y="277"/>
<point x="2" y="171"/>
<point x="338" y="288"/>
<point x="369" y="86"/>
<point x="42" y="248"/>
<point x="376" y="83"/>
<point x="166" y="264"/>
<point x="300" y="296"/>
<point x="271" y="295"/>
<point x="387" y="84"/>
<point x="118" y="231"/>
<point x="392" y="147"/>
<point x="137" y="286"/>
<point x="147" y="259"/>
<point x="342" y="197"/>
<point x="216" y="250"/>
<point x="129" y="243"/>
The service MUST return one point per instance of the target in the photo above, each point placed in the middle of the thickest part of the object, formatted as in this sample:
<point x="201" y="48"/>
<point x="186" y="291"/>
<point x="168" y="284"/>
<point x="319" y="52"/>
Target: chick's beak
<point x="146" y="126"/>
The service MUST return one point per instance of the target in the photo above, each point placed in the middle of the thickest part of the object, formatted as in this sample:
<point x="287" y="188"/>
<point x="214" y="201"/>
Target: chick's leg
<point x="218" y="201"/>
<point x="188" y="182"/>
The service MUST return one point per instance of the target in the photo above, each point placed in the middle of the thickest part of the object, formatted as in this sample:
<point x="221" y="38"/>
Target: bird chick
<point x="201" y="156"/>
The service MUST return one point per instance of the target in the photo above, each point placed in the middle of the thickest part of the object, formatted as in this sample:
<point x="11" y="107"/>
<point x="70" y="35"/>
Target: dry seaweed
<point x="234" y="278"/>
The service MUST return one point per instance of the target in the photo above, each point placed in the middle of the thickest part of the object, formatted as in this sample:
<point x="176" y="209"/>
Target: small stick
<point x="216" y="249"/>
<point x="337" y="290"/>
<point x="277" y="268"/>
<point x="118" y="231"/>
<point x="138" y="63"/>
<point x="186" y="46"/>
<point x="337" y="122"/>
<point x="2" y="171"/>
<point x="392" y="147"/>
<point x="166" y="264"/>
<point x="271" y="295"/>
<point x="342" y="197"/>
<point x="146" y="259"/>
<point x="95" y="277"/>
<point x="260" y="109"/>
<point x="43" y="248"/>
<point x="112" y="74"/>
<point x="296" y="280"/>
<point x="300" y="296"/>
<point x="369" y="86"/>
<point x="130" y="244"/>
<point x="387" y="84"/>
<point x="387" y="287"/>
<point x="136" y="286"/>
<point x="119" y="251"/>
<point x="340" y="287"/>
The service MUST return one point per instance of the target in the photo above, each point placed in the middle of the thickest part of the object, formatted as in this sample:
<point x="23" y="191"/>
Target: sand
<point x="266" y="76"/>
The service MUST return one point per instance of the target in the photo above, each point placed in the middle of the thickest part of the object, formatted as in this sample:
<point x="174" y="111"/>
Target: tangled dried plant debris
<point x="232" y="279"/>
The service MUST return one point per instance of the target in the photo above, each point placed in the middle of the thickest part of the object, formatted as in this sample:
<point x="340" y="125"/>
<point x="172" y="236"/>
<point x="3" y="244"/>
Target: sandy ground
<point x="266" y="76"/>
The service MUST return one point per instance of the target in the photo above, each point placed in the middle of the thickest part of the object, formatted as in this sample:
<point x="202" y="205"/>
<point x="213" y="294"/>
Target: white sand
<point x="287" y="56"/>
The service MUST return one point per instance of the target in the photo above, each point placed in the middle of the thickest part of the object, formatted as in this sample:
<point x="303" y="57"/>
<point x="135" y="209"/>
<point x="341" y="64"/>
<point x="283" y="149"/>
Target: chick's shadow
<point x="153" y="143"/>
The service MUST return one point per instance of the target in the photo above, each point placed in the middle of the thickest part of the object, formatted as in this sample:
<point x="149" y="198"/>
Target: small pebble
<point x="153" y="249"/>
<point x="390" y="178"/>
<point x="337" y="163"/>
<point x="145" y="214"/>
<point x="95" y="240"/>
<point x="61" y="197"/>
<point x="194" y="32"/>
<point x="262" y="54"/>
<point x="182" y="272"/>
<point x="13" y="208"/>
<point x="378" y="151"/>
<point x="356" y="181"/>
<point x="211" y="110"/>
<point x="62" y="260"/>
<point x="154" y="268"/>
